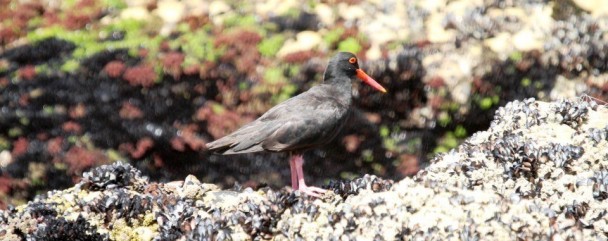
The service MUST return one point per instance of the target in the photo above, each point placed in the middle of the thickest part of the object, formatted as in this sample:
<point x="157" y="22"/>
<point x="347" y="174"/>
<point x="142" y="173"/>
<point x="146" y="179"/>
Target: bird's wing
<point x="310" y="127"/>
<point x="296" y="123"/>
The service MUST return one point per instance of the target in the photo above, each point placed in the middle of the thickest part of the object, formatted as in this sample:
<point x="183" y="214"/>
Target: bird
<point x="303" y="122"/>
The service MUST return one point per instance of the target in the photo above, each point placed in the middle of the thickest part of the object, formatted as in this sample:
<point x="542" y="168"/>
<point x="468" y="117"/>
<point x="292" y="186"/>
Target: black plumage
<point x="306" y="121"/>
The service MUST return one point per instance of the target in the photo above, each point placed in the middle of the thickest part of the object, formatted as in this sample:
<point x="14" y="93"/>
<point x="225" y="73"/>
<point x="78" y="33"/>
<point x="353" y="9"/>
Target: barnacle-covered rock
<point x="538" y="173"/>
<point x="111" y="176"/>
<point x="349" y="187"/>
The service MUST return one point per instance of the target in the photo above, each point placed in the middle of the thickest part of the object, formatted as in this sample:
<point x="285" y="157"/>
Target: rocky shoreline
<point x="538" y="173"/>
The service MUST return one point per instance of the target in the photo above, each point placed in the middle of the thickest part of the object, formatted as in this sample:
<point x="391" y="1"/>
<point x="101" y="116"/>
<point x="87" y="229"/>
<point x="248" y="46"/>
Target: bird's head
<point x="345" y="63"/>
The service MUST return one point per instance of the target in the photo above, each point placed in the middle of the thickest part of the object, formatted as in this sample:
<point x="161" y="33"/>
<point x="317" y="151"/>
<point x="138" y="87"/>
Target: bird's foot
<point x="312" y="191"/>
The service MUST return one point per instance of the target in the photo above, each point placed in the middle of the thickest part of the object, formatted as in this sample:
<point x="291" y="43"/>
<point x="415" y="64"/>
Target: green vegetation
<point x="333" y="36"/>
<point x="350" y="45"/>
<point x="485" y="103"/>
<point x="447" y="142"/>
<point x="270" y="46"/>
<point x="70" y="66"/>
<point x="277" y="85"/>
<point x="460" y="132"/>
<point x="198" y="45"/>
<point x="285" y="93"/>
<point x="238" y="20"/>
<point x="525" y="82"/>
<point x="118" y="4"/>
<point x="4" y="144"/>
<point x="444" y="119"/>
<point x="274" y="75"/>
<point x="451" y="139"/>
<point x="15" y="132"/>
<point x="516" y="56"/>
<point x="88" y="42"/>
<point x="217" y="108"/>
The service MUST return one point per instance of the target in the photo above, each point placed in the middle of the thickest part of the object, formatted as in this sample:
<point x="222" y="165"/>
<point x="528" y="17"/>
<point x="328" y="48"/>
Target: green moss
<point x="333" y="36"/>
<point x="117" y="4"/>
<point x="70" y="66"/>
<point x="4" y="144"/>
<point x="525" y="82"/>
<point x="88" y="42"/>
<point x="270" y="46"/>
<point x="495" y="99"/>
<point x="367" y="155"/>
<point x="294" y="70"/>
<point x="115" y="155"/>
<point x="217" y="109"/>
<point x="516" y="56"/>
<point x="198" y="46"/>
<point x="238" y="20"/>
<point x="285" y="93"/>
<point x="33" y="22"/>
<point x="486" y="103"/>
<point x="413" y="145"/>
<point x="274" y="75"/>
<point x="135" y="38"/>
<point x="72" y="139"/>
<point x="538" y="85"/>
<point x="440" y="149"/>
<point x="390" y="144"/>
<point x="127" y="25"/>
<point x="460" y="132"/>
<point x="77" y="37"/>
<point x="378" y="168"/>
<point x="48" y="110"/>
<point x="446" y="143"/>
<point x="384" y="131"/>
<point x="43" y="69"/>
<point x="450" y="106"/>
<point x="60" y="166"/>
<point x="444" y="119"/>
<point x="350" y="45"/>
<point x="67" y="4"/>
<point x="37" y="182"/>
<point x="348" y="175"/>
<point x="15" y="132"/>
<point x="24" y="121"/>
<point x="243" y="86"/>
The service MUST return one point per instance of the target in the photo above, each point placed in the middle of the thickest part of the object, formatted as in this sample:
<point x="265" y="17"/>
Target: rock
<point x="138" y="13"/>
<point x="218" y="10"/>
<point x="305" y="40"/>
<point x="597" y="8"/>
<point x="500" y="44"/>
<point x="171" y="12"/>
<point x="325" y="13"/>
<point x="539" y="172"/>
<point x="275" y="7"/>
<point x="567" y="89"/>
<point x="6" y="158"/>
<point x="527" y="40"/>
<point x="436" y="31"/>
<point x="351" y="12"/>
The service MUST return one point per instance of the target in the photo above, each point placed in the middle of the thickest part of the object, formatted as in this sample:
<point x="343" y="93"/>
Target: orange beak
<point x="368" y="80"/>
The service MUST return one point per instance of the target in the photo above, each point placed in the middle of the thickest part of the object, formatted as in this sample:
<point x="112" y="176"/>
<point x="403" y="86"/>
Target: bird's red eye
<point x="352" y="60"/>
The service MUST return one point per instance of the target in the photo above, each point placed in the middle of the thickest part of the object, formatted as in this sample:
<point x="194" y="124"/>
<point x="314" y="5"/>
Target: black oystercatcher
<point x="306" y="121"/>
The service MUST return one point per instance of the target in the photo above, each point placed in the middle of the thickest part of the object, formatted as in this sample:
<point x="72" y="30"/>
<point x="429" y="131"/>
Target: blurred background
<point x="85" y="83"/>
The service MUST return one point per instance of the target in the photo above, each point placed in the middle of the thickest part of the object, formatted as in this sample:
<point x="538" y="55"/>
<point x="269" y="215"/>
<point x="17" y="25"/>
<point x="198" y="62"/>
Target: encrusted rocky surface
<point x="85" y="83"/>
<point x="538" y="173"/>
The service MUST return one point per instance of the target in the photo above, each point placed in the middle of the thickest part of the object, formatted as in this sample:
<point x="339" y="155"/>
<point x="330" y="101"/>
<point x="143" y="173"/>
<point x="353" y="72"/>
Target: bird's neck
<point x="342" y="88"/>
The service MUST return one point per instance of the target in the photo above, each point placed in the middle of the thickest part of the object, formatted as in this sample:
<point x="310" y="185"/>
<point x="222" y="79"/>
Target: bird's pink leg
<point x="298" y="161"/>
<point x="294" y="173"/>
